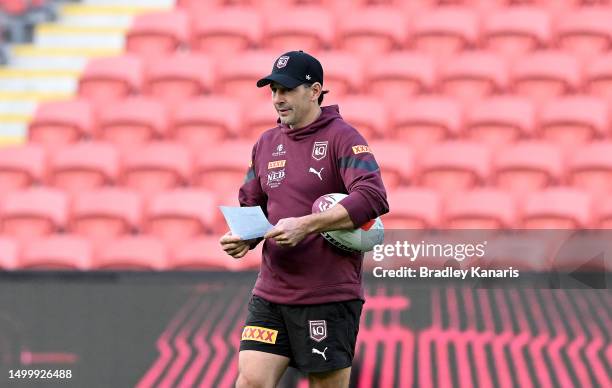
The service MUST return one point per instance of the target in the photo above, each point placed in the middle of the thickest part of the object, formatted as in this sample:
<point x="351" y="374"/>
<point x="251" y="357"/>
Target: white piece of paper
<point x="247" y="222"/>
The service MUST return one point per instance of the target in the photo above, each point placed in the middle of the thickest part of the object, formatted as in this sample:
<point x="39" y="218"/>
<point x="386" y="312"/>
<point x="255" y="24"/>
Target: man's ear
<point x="316" y="89"/>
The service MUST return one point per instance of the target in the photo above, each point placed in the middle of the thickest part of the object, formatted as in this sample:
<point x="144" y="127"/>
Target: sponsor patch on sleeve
<point x="276" y="164"/>
<point x="360" y="149"/>
<point x="260" y="334"/>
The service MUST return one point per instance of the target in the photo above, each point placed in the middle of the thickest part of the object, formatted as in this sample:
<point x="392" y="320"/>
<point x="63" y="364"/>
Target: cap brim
<point x="284" y="80"/>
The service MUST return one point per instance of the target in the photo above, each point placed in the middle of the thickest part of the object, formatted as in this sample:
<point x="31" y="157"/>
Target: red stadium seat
<point x="258" y="118"/>
<point x="396" y="162"/>
<point x="222" y="168"/>
<point x="202" y="121"/>
<point x="21" y="166"/>
<point x="590" y="169"/>
<point x="228" y="198"/>
<point x="155" y="34"/>
<point x="599" y="77"/>
<point x="61" y="122"/>
<point x="472" y="75"/>
<point x="9" y="254"/>
<point x="176" y="78"/>
<point x="132" y="122"/>
<point x="139" y="253"/>
<point x="179" y="214"/>
<point x="371" y="31"/>
<point x="307" y="27"/>
<point x="226" y="31"/>
<point x="444" y="31"/>
<point x="205" y="253"/>
<point x="201" y="253"/>
<point x="557" y="208"/>
<point x="528" y="166"/>
<point x="454" y="166"/>
<point x="546" y="74"/>
<point x="585" y="31"/>
<point x="57" y="252"/>
<point x="480" y="209"/>
<point x="515" y="31"/>
<point x="104" y="214"/>
<point x="343" y="72"/>
<point x="158" y="166"/>
<point x="238" y="80"/>
<point x="401" y="75"/>
<point x="426" y="120"/>
<point x="111" y="78"/>
<point x="34" y="212"/>
<point x="500" y="120"/>
<point x="574" y="120"/>
<point x="365" y="113"/>
<point x="413" y="208"/>
<point x="84" y="166"/>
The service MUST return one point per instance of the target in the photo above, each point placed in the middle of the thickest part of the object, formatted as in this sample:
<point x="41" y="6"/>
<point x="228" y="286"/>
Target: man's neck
<point x="312" y="117"/>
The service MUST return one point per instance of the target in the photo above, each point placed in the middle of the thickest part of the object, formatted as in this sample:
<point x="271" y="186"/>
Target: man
<point x="308" y="297"/>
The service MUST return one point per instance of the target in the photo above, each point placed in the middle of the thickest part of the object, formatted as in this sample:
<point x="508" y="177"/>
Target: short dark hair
<point x="320" y="100"/>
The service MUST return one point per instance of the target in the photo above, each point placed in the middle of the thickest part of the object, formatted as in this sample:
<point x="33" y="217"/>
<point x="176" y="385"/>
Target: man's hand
<point x="234" y="245"/>
<point x="288" y="232"/>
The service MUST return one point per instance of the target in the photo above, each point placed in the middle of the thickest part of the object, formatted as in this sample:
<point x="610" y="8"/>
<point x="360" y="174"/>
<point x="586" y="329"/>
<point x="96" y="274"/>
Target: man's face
<point x="292" y="105"/>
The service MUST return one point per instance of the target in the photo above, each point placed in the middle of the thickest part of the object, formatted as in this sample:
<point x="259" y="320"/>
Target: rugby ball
<point x="362" y="239"/>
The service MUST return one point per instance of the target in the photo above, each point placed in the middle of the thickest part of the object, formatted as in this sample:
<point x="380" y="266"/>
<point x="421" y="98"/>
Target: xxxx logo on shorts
<point x="260" y="334"/>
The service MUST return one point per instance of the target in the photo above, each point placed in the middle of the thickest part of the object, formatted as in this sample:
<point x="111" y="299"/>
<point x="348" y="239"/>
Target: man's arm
<point x="290" y="231"/>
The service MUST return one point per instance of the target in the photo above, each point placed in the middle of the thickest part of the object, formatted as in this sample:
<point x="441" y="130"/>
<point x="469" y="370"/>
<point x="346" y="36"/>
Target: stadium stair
<point x="48" y="69"/>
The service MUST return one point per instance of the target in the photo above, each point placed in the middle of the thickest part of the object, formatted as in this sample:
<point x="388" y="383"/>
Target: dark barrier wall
<point x="183" y="330"/>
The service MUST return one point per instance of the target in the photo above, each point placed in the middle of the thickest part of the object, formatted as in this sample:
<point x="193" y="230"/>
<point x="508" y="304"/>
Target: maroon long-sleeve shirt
<point x="290" y="169"/>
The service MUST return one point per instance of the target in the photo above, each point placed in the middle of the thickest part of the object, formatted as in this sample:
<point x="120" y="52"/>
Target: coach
<point x="308" y="297"/>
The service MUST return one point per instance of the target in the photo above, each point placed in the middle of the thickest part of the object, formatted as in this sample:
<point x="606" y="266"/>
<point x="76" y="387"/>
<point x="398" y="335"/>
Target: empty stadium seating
<point x="528" y="166"/>
<point x="558" y="208"/>
<point x="205" y="253"/>
<point x="500" y="120"/>
<point x="107" y="79"/>
<point x="444" y="31"/>
<point x="179" y="214"/>
<point x="590" y="169"/>
<point x="57" y="252"/>
<point x="34" y="212"/>
<point x="177" y="77"/>
<point x="132" y="122"/>
<point x="157" y="166"/>
<point x="455" y="166"/>
<point x="481" y="114"/>
<point x="423" y="121"/>
<point x="480" y="209"/>
<point x="21" y="166"/>
<point x="157" y="34"/>
<point x="517" y="31"/>
<point x="202" y="121"/>
<point x="413" y="208"/>
<point x="140" y="253"/>
<point x="84" y="166"/>
<point x="106" y="213"/>
<point x="60" y="123"/>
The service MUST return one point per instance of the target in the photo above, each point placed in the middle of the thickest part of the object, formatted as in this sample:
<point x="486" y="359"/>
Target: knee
<point x="245" y="381"/>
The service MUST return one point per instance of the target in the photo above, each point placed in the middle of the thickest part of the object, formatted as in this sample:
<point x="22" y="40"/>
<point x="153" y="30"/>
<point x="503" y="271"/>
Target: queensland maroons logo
<point x="319" y="150"/>
<point x="318" y="330"/>
<point x="282" y="61"/>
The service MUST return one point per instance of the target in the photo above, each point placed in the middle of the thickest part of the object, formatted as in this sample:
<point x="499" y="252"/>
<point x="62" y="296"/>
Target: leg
<point x="334" y="379"/>
<point x="260" y="369"/>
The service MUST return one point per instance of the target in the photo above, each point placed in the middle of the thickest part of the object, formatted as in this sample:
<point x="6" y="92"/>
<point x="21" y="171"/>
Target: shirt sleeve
<point x="360" y="173"/>
<point x="251" y="193"/>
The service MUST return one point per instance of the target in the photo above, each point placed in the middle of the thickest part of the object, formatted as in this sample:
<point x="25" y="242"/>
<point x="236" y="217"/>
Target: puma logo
<point x="322" y="353"/>
<point x="317" y="173"/>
